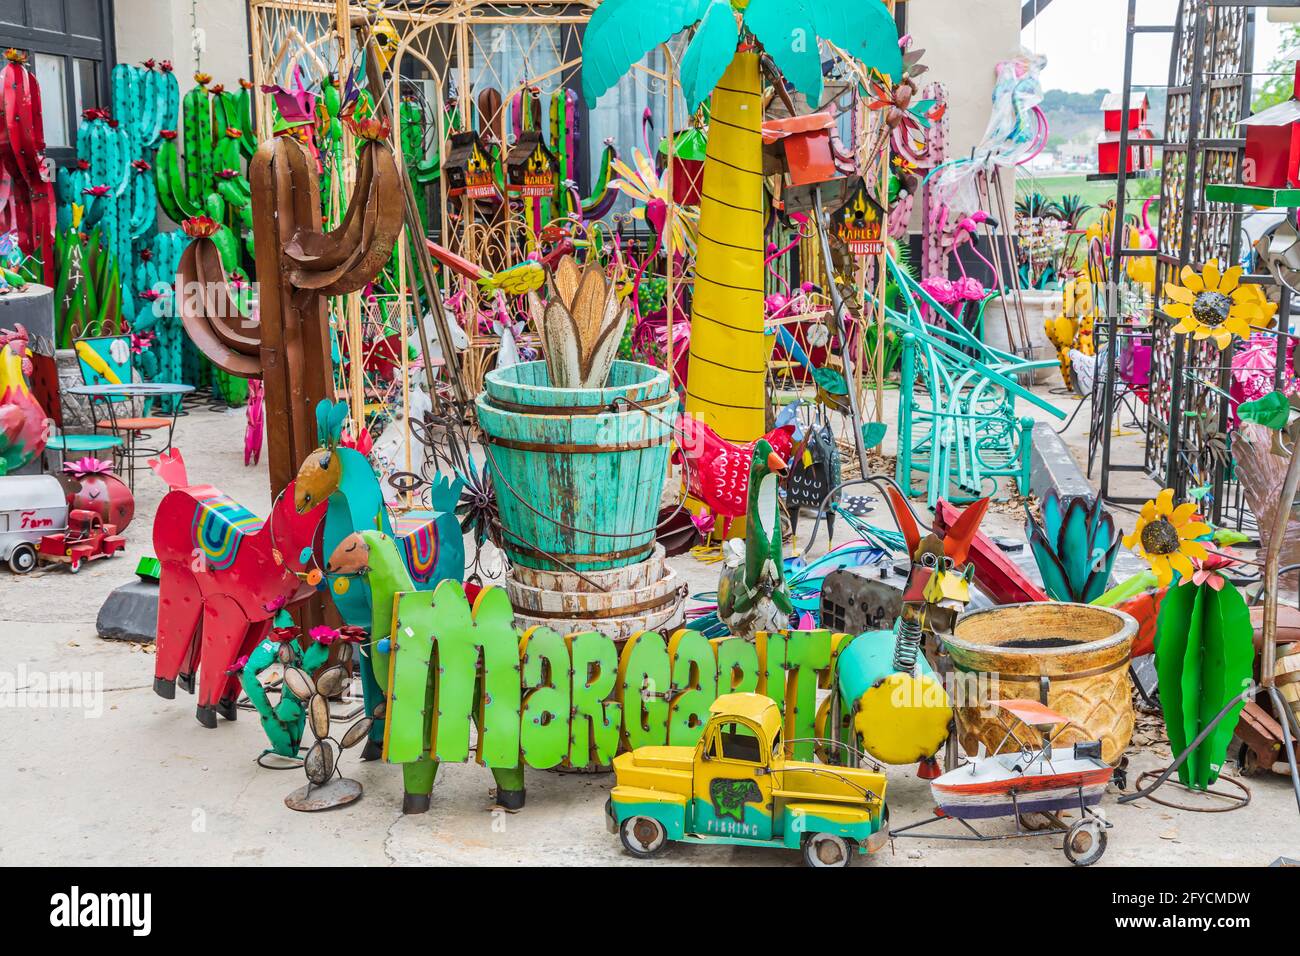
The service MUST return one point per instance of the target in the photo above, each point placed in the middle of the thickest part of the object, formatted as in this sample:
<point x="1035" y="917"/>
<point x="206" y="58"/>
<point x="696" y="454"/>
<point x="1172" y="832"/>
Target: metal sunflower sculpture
<point x="1214" y="305"/>
<point x="1165" y="537"/>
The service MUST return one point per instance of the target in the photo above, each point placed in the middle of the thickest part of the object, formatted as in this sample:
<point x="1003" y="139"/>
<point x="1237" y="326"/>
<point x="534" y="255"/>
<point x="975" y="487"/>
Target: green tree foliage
<point x="1278" y="88"/>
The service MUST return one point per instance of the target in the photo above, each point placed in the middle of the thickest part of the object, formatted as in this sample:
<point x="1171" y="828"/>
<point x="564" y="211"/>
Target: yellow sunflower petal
<point x="1195" y="549"/>
<point x="1179" y="294"/>
<point x="1165" y="502"/>
<point x="1210" y="276"/>
<point x="1222" y="340"/>
<point x="1178" y="310"/>
<point x="1237" y="326"/>
<point x="1131" y="540"/>
<point x="1181" y="564"/>
<point x="1160" y="565"/>
<point x="1185" y="326"/>
<point x="1193" y="529"/>
<point x="1191" y="280"/>
<point x="1200" y="332"/>
<point x="1182" y="514"/>
<point x="1230" y="279"/>
<point x="1148" y="513"/>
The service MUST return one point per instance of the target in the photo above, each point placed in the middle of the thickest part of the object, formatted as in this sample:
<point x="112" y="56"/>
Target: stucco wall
<point x="963" y="40"/>
<point x="162" y="29"/>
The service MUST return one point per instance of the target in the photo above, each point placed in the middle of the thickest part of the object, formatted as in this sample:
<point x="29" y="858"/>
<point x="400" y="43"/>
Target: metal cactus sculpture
<point x="209" y="180"/>
<point x="27" y="205"/>
<point x="1075" y="544"/>
<point x="298" y="267"/>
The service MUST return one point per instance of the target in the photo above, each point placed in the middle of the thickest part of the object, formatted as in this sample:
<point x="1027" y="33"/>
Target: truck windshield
<point x="739" y="743"/>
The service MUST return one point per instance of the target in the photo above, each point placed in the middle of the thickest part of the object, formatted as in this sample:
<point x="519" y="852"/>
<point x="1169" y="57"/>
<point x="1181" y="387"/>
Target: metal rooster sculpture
<point x="752" y="593"/>
<point x="719" y="471"/>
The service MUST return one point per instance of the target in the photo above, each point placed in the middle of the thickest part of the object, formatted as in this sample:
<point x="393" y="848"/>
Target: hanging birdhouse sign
<point x="800" y="147"/>
<point x="686" y="154"/>
<point x="859" y="223"/>
<point x="532" y="170"/>
<point x="469" y="168"/>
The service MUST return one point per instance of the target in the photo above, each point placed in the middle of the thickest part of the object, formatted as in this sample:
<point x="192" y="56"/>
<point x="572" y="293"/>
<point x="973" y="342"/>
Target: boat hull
<point x="1002" y="798"/>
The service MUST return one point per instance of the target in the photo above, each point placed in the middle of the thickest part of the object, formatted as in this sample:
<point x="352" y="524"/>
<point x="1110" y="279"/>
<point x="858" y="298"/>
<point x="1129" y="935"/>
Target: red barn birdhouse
<point x="801" y="147"/>
<point x="688" y="153"/>
<point x="1141" y="155"/>
<point x="1273" y="143"/>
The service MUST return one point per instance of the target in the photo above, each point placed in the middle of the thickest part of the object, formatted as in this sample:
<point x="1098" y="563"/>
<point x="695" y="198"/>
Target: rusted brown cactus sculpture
<point x="286" y="341"/>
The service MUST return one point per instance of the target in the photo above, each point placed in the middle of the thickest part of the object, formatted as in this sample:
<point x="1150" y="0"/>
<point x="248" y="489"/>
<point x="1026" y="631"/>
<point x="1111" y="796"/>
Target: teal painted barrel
<point x="575" y="481"/>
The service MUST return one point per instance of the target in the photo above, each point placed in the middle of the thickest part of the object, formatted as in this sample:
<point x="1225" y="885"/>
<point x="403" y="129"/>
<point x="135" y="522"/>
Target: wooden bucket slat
<point x="605" y="472"/>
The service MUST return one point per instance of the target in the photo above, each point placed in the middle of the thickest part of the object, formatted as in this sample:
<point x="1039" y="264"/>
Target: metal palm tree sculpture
<point x="728" y="356"/>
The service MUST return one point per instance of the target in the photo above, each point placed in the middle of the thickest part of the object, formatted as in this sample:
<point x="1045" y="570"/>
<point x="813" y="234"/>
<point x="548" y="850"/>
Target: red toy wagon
<point x="87" y="538"/>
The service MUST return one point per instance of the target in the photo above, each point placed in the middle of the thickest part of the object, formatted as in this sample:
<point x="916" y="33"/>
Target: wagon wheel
<point x="22" y="559"/>
<point x="1085" y="842"/>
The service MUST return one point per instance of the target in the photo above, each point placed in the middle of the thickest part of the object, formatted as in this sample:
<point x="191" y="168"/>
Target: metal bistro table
<point x="129" y="429"/>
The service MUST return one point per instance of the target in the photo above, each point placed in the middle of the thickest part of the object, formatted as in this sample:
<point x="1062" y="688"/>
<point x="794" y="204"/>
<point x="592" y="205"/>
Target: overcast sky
<point x="1083" y="41"/>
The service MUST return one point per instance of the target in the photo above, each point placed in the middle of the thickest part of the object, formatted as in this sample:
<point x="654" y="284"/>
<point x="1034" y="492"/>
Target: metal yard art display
<point x="225" y="576"/>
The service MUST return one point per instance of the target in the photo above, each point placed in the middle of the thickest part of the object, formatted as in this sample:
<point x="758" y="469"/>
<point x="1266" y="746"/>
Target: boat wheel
<point x="1085" y="842"/>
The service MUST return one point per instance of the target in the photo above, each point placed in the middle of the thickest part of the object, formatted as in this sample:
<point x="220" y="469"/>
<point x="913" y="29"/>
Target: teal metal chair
<point x="960" y="429"/>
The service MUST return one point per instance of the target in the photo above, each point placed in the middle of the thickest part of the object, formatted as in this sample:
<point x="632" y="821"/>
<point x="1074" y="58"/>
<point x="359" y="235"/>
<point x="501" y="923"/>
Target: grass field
<point x="1093" y="193"/>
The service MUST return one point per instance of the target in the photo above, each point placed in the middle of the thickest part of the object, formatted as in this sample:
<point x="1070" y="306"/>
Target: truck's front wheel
<point x="826" y="849"/>
<point x="643" y="837"/>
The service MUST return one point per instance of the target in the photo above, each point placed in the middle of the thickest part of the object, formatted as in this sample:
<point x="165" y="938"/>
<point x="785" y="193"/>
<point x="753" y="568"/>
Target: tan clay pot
<point x="1083" y="651"/>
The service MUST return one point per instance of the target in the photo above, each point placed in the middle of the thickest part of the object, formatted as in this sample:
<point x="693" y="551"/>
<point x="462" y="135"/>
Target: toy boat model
<point x="1028" y="780"/>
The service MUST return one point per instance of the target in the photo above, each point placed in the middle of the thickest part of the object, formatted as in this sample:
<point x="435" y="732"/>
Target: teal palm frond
<point x="709" y="52"/>
<point x="621" y="32"/>
<point x="788" y="36"/>
<point x="864" y="29"/>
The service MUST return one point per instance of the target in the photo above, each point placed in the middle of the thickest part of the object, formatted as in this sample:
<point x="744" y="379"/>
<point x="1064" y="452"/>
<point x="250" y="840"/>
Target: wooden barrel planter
<point x="619" y="602"/>
<point x="578" y="473"/>
<point x="1287" y="676"/>
<point x="1082" y="650"/>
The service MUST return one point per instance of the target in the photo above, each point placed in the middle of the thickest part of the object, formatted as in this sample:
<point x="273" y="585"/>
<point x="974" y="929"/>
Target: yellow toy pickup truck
<point x="737" y="786"/>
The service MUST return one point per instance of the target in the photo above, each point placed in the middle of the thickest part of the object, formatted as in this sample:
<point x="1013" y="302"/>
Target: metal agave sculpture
<point x="1075" y="544"/>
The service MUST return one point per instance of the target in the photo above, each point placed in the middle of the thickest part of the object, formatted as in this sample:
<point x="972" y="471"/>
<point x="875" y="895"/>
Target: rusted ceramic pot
<point x="1083" y="651"/>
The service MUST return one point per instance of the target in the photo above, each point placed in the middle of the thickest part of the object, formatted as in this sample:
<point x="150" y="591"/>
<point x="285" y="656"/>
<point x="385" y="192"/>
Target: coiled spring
<point x="907" y="645"/>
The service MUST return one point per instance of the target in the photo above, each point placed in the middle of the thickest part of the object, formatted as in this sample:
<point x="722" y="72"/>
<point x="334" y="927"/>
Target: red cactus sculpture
<point x="28" y="203"/>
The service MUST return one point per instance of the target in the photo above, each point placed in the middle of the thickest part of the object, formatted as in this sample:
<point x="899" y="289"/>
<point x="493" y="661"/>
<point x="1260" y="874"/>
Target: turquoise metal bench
<point x="960" y="430"/>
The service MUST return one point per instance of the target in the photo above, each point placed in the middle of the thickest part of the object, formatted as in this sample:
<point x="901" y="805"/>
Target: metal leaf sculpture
<point x="581" y="325"/>
<point x="1075" y="546"/>
<point x="286" y="341"/>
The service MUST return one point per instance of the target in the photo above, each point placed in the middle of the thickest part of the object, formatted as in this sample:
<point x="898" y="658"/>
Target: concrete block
<point x="130" y="613"/>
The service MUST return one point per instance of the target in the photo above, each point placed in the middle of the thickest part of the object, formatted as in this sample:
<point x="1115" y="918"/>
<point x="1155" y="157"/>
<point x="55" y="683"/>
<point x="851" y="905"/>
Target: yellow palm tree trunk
<point x="728" y="349"/>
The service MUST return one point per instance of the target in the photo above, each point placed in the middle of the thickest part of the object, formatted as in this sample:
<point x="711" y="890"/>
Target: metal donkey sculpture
<point x="225" y="574"/>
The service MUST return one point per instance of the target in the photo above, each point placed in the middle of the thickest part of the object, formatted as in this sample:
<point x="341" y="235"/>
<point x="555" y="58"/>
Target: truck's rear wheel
<point x="22" y="559"/>
<point x="643" y="837"/>
<point x="826" y="849"/>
